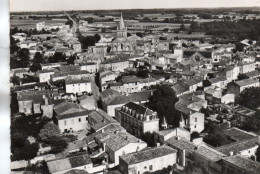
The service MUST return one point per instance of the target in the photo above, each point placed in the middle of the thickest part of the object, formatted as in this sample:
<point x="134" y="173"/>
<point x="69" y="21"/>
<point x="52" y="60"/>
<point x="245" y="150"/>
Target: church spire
<point x="122" y="23"/>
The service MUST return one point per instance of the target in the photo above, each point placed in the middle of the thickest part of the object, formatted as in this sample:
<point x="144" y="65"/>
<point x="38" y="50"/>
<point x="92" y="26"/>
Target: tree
<point x="87" y="41"/>
<point x="182" y="27"/>
<point x="258" y="154"/>
<point x="57" y="57"/>
<point x="71" y="60"/>
<point x="23" y="56"/>
<point x="149" y="139"/>
<point x="49" y="130"/>
<point x="90" y="20"/>
<point x="195" y="135"/>
<point x="240" y="47"/>
<point x="250" y="97"/>
<point x="97" y="37"/>
<point x="57" y="143"/>
<point x="163" y="102"/>
<point x="69" y="22"/>
<point x="139" y="34"/>
<point x="27" y="152"/>
<point x="38" y="59"/>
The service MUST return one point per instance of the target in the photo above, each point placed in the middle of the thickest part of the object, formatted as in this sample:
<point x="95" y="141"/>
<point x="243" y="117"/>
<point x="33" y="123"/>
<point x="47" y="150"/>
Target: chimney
<point x="184" y="158"/>
<point x="46" y="101"/>
<point x="231" y="153"/>
<point x="157" y="144"/>
<point x="43" y="96"/>
<point x="178" y="137"/>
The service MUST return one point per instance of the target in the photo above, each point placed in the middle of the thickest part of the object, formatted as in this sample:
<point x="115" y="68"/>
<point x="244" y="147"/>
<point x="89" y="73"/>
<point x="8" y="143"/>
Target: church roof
<point x="122" y="23"/>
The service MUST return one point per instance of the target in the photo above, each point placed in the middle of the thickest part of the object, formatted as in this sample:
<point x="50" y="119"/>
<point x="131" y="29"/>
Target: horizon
<point x="196" y="8"/>
<point x="89" y="5"/>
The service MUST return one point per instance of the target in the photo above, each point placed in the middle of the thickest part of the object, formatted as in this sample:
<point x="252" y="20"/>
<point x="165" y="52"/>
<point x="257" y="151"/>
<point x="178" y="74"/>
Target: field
<point x="29" y="23"/>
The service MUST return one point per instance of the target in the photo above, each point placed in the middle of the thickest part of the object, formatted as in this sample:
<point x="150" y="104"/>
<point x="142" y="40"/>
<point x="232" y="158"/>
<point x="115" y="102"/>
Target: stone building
<point x="137" y="119"/>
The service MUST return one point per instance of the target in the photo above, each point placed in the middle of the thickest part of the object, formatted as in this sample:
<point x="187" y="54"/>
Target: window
<point x="196" y="119"/>
<point x="79" y="119"/>
<point x="86" y="118"/>
<point x="151" y="167"/>
<point x="195" y="126"/>
<point x="65" y="123"/>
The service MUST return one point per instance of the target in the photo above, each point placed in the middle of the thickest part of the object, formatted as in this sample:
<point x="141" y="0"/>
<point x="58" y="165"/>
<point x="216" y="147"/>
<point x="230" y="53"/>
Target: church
<point x="121" y="44"/>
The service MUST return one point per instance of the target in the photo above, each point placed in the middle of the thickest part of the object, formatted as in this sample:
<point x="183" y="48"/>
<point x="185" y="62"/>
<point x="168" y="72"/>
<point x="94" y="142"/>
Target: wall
<point x="198" y="125"/>
<point x="78" y="88"/>
<point x="153" y="164"/>
<point x="73" y="123"/>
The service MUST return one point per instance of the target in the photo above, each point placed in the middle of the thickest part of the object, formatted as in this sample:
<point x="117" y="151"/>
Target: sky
<point x="52" y="5"/>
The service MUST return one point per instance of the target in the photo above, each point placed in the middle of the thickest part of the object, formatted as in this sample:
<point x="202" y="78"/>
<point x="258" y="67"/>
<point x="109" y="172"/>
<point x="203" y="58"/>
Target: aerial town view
<point x="135" y="91"/>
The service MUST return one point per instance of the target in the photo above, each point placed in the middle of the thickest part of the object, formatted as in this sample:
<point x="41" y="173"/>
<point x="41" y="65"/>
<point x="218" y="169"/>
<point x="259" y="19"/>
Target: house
<point x="219" y="82"/>
<point x="137" y="119"/>
<point x="67" y="107"/>
<point x="201" y="58"/>
<point x="228" y="98"/>
<point x="194" y="83"/>
<point x="191" y="117"/>
<point x="99" y="120"/>
<point x="150" y="160"/>
<point x="252" y="75"/>
<point x="111" y="100"/>
<point x="208" y="159"/>
<point x="117" y="64"/>
<point x="239" y="165"/>
<point x="119" y="143"/>
<point x="230" y="73"/>
<point x="89" y="66"/>
<point x="70" y="122"/>
<point x="31" y="102"/>
<point x="27" y="44"/>
<point x="44" y="75"/>
<point x="164" y="135"/>
<point x="236" y="87"/>
<point x="185" y="150"/>
<point x="105" y="77"/>
<point x="87" y="102"/>
<point x="63" y="165"/>
<point x="132" y="84"/>
<point x="78" y="86"/>
<point x="213" y="96"/>
<point x="244" y="144"/>
<point x="246" y="67"/>
<point x="180" y="88"/>
<point x="49" y="66"/>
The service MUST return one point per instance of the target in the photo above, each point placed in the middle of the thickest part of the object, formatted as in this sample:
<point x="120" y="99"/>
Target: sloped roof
<point x="238" y="134"/>
<point x="66" y="106"/>
<point x="181" y="144"/>
<point x="101" y="119"/>
<point x="239" y="146"/>
<point x="139" y="109"/>
<point x="117" y="140"/>
<point x="246" y="82"/>
<point x="246" y="164"/>
<point x="140" y="96"/>
<point x="145" y="155"/>
<point x="209" y="153"/>
<point x="72" y="115"/>
<point x="120" y="100"/>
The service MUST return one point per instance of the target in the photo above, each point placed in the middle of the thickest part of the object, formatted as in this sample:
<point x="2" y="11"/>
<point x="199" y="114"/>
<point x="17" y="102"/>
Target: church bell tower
<point x="121" y="30"/>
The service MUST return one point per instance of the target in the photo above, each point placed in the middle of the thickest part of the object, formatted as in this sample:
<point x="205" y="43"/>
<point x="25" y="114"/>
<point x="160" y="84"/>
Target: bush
<point x="49" y="130"/>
